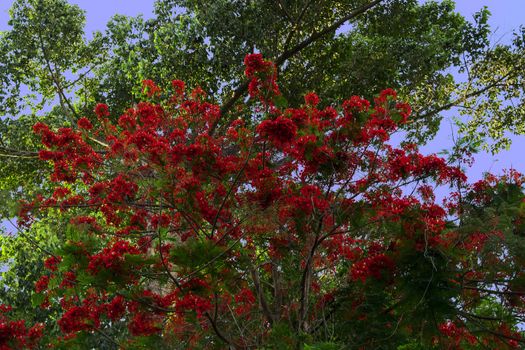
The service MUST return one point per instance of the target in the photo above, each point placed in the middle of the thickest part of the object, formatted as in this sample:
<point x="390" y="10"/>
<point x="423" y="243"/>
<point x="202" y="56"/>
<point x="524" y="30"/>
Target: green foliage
<point x="24" y="255"/>
<point x="45" y="42"/>
<point x="499" y="112"/>
<point x="323" y="346"/>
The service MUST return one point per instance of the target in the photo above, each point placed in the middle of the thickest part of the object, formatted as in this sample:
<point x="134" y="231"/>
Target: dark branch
<point x="227" y="106"/>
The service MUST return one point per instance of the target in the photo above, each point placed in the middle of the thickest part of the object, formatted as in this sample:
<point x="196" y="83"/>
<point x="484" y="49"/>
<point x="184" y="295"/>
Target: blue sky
<point x="506" y="16"/>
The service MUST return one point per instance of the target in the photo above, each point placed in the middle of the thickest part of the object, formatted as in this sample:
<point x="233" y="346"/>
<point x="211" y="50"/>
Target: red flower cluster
<point x="311" y="99"/>
<point x="458" y="334"/>
<point x="263" y="78"/>
<point x="15" y="335"/>
<point x="116" y="308"/>
<point x="102" y="110"/>
<point x="280" y="131"/>
<point x="178" y="88"/>
<point x="150" y="88"/>
<point x="245" y="301"/>
<point x="84" y="123"/>
<point x="72" y="155"/>
<point x="377" y="266"/>
<point x="52" y="262"/>
<point x="185" y="232"/>
<point x="143" y="325"/>
<point x="78" y="318"/>
<point x="41" y="284"/>
<point x="111" y="258"/>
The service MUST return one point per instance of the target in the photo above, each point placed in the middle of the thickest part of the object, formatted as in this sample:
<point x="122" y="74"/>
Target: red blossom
<point x="311" y="99"/>
<point x="41" y="284"/>
<point x="116" y="308"/>
<point x="77" y="318"/>
<point x="245" y="300"/>
<point x="84" y="123"/>
<point x="182" y="227"/>
<point x="280" y="131"/>
<point x="193" y="303"/>
<point x="112" y="257"/>
<point x="102" y="110"/>
<point x="178" y="87"/>
<point x="150" y="88"/>
<point x="254" y="63"/>
<point x="52" y="262"/>
<point x="143" y="325"/>
<point x="377" y="266"/>
<point x="15" y="335"/>
<point x="263" y="77"/>
<point x="355" y="103"/>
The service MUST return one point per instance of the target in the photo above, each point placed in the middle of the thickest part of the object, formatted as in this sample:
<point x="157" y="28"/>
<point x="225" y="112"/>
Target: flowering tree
<point x="294" y="228"/>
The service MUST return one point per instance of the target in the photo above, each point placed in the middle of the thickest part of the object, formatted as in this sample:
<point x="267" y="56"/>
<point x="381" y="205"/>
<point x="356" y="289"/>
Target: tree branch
<point x="316" y="36"/>
<point x="260" y="295"/>
<point x="227" y="106"/>
<point x="217" y="330"/>
<point x="13" y="153"/>
<point x="465" y="97"/>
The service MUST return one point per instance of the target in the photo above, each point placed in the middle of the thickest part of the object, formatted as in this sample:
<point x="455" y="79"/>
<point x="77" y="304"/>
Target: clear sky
<point x="506" y="16"/>
<point x="98" y="12"/>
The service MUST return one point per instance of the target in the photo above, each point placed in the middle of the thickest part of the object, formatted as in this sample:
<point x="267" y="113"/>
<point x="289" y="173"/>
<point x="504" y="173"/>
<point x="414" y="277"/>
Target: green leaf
<point x="37" y="299"/>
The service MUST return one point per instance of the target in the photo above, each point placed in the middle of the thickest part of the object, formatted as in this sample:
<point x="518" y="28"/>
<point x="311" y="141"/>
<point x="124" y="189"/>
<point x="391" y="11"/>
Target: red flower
<point x="52" y="262"/>
<point x="245" y="300"/>
<point x="311" y="99"/>
<point x="102" y="110"/>
<point x="178" y="87"/>
<point x="69" y="280"/>
<point x="41" y="284"/>
<point x="111" y="258"/>
<point x="116" y="308"/>
<point x="143" y="325"/>
<point x="254" y="63"/>
<point x="263" y="75"/>
<point x="192" y="302"/>
<point x="84" y="123"/>
<point x="388" y="92"/>
<point x="280" y="131"/>
<point x="150" y="88"/>
<point x="355" y="103"/>
<point x="372" y="266"/>
<point x="76" y="319"/>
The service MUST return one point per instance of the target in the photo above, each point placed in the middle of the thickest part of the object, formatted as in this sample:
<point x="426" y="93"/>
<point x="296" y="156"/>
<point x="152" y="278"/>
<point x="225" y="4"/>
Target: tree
<point x="45" y="60"/>
<point x="301" y="229"/>
<point x="400" y="44"/>
<point x="393" y="43"/>
<point x="46" y="42"/>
